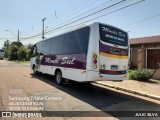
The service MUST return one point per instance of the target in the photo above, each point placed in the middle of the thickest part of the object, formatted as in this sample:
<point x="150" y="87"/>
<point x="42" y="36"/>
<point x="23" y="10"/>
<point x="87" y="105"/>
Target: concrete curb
<point x="130" y="91"/>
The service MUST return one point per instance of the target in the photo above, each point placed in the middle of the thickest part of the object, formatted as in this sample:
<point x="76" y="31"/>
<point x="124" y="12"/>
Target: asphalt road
<point x="16" y="80"/>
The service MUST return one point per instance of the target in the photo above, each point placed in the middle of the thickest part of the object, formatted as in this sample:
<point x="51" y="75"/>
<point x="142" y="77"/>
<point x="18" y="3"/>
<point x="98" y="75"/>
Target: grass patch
<point x="22" y="62"/>
<point x="131" y="73"/>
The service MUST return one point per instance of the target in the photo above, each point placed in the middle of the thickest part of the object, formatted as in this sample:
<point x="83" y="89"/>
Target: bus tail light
<point x="94" y="61"/>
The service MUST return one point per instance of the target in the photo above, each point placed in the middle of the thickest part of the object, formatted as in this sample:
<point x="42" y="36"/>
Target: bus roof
<point x="82" y="27"/>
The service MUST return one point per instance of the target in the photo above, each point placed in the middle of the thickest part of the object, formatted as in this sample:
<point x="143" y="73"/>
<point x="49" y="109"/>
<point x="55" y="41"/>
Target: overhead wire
<point x="66" y="3"/>
<point x="68" y="29"/>
<point x="102" y="15"/>
<point x="8" y="38"/>
<point x="79" y="19"/>
<point x="90" y="14"/>
<point x="73" y="11"/>
<point x="81" y="13"/>
<point x="73" y="3"/>
<point x="129" y="11"/>
<point x="92" y="18"/>
<point x="68" y="11"/>
<point x="146" y="19"/>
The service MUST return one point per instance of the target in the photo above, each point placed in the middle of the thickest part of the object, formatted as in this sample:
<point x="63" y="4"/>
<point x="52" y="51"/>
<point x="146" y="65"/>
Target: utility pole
<point x="18" y="36"/>
<point x="43" y="27"/>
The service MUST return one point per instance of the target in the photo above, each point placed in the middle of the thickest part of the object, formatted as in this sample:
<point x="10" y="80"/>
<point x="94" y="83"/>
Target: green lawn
<point x="131" y="72"/>
<point x="22" y="62"/>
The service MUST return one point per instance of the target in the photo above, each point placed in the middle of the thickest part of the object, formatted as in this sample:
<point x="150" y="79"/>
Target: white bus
<point x="1" y="54"/>
<point x="94" y="52"/>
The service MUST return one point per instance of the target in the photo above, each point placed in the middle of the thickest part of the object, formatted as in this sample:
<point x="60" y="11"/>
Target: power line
<point x="66" y="3"/>
<point x="146" y="19"/>
<point x="104" y="14"/>
<point x="33" y="36"/>
<point x="90" y="19"/>
<point x="75" y="10"/>
<point x="8" y="38"/>
<point x="68" y="11"/>
<point x="79" y="19"/>
<point x="85" y="12"/>
<point x="68" y="29"/>
<point x="115" y="10"/>
<point x="90" y="14"/>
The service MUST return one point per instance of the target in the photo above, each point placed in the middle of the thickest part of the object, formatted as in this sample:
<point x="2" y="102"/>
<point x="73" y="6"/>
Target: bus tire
<point x="88" y="83"/>
<point x="34" y="72"/>
<point x="59" y="78"/>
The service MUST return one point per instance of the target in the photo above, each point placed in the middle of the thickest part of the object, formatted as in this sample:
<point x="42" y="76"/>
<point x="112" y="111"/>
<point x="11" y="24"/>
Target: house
<point x="145" y="54"/>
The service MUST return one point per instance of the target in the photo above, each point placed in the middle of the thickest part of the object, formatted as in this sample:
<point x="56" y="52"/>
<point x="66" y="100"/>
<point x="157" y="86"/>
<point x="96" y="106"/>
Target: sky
<point x="139" y="20"/>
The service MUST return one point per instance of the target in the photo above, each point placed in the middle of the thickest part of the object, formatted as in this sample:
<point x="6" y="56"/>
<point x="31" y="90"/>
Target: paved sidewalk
<point x="149" y="89"/>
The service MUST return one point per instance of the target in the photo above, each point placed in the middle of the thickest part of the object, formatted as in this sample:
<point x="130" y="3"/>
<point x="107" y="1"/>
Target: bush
<point x="22" y="54"/>
<point x="19" y="44"/>
<point x="28" y="54"/>
<point x="141" y="75"/>
<point x="12" y="52"/>
<point x="131" y="74"/>
<point x="6" y="53"/>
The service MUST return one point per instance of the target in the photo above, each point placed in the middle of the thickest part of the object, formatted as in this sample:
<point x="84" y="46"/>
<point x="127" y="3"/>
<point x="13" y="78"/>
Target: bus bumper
<point x="96" y="76"/>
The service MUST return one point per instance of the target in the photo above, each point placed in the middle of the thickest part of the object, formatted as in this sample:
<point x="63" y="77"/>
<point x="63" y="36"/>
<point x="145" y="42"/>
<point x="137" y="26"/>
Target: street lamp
<point x="17" y="36"/>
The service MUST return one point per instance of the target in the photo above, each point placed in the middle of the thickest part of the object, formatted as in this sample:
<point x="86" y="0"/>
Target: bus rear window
<point x="113" y="35"/>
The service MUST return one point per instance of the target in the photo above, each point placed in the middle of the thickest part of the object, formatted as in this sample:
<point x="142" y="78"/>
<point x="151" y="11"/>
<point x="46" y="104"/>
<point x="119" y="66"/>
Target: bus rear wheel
<point x="59" y="78"/>
<point x="34" y="70"/>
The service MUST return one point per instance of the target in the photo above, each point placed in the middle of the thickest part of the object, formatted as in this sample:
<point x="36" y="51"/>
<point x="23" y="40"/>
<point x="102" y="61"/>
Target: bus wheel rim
<point x="59" y="77"/>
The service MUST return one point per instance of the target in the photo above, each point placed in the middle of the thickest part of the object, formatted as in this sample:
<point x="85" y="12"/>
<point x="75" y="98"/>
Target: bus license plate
<point x="114" y="67"/>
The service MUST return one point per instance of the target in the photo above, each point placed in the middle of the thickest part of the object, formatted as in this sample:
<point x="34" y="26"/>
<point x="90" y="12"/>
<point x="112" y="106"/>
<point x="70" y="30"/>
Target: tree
<point x="12" y="52"/>
<point x="22" y="54"/>
<point x="6" y="47"/>
<point x="29" y="46"/>
<point x="16" y="51"/>
<point x="19" y="44"/>
<point x="6" y="44"/>
<point x="28" y="54"/>
<point x="28" y="50"/>
<point x="6" y="53"/>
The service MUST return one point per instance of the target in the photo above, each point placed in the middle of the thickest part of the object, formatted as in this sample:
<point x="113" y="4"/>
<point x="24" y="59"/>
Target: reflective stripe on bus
<point x="112" y="72"/>
<point x="113" y="56"/>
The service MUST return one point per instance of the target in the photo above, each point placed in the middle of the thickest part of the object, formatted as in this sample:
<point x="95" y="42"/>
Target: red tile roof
<point x="145" y="40"/>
